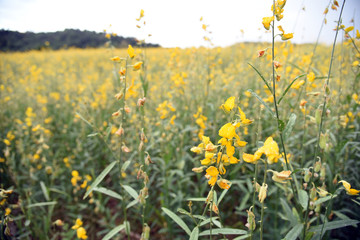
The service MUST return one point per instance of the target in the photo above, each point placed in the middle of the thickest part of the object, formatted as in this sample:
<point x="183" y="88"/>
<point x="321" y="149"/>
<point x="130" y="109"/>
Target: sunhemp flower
<point x="267" y="21"/>
<point x="131" y="52"/>
<point x="137" y="66"/>
<point x="212" y="175"/>
<point x="280" y="177"/>
<point x="223" y="183"/>
<point x="348" y="189"/>
<point x="141" y="15"/>
<point x="229" y="104"/>
<point x="115" y="59"/>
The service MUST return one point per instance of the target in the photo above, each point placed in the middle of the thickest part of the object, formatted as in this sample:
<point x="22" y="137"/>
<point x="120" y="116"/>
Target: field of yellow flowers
<point x="251" y="141"/>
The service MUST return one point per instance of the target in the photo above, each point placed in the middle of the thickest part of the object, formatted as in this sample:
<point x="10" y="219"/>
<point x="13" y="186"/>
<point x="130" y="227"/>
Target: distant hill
<point x="16" y="41"/>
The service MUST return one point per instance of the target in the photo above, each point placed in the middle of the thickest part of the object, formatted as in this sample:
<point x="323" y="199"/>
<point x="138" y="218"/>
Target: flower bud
<point x="307" y="176"/>
<point x="141" y="102"/>
<point x="198" y="170"/>
<point x="317" y="166"/>
<point x="262" y="192"/>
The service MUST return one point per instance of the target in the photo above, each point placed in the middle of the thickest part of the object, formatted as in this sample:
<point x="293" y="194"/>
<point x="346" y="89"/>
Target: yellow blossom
<point x="7" y="211"/>
<point x="287" y="36"/>
<point x="349" y="29"/>
<point x="266" y="22"/>
<point x="78" y="223"/>
<point x="131" y="51"/>
<point x="227" y="131"/>
<point x="141" y="15"/>
<point x="115" y="59"/>
<point x="311" y="77"/>
<point x="81" y="233"/>
<point x="137" y="66"/>
<point x="223" y="183"/>
<point x="280" y="177"/>
<point x="243" y="118"/>
<point x="212" y="174"/>
<point x="229" y="104"/>
<point x="298" y="84"/>
<point x="348" y="189"/>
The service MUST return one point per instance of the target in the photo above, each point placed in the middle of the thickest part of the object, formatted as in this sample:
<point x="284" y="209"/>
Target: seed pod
<point x="262" y="192"/>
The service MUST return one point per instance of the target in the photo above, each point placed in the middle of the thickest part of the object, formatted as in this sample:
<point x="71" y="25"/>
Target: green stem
<point x="262" y="204"/>
<point x="322" y="117"/>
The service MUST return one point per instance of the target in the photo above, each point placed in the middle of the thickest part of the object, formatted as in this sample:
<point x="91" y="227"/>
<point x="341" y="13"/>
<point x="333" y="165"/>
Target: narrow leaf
<point x="178" y="220"/>
<point x="262" y="101"/>
<point x="222" y="195"/>
<point x="131" y="191"/>
<point x="333" y="225"/>
<point x="194" y="234"/>
<point x="41" y="204"/>
<point x="290" y="125"/>
<point x="82" y="118"/>
<point x="288" y="87"/>
<point x="324" y="199"/>
<point x="132" y="203"/>
<point x="93" y="134"/>
<point x="266" y="83"/>
<point x="114" y="231"/>
<point x="303" y="198"/>
<point x="108" y="192"/>
<point x="100" y="178"/>
<point x="125" y="165"/>
<point x="294" y="232"/>
<point x="230" y="231"/>
<point x="44" y="190"/>
<point x="289" y="214"/>
<point x="196" y="199"/>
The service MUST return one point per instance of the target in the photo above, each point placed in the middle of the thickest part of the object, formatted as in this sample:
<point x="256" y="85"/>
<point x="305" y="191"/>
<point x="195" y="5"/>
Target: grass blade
<point x="262" y="77"/>
<point x="225" y="231"/>
<point x="45" y="191"/>
<point x="114" y="231"/>
<point x="108" y="192"/>
<point x="178" y="220"/>
<point x="82" y="118"/>
<point x="262" y="101"/>
<point x="194" y="234"/>
<point x="289" y="126"/>
<point x="41" y="204"/>
<point x="288" y="87"/>
<point x="294" y="232"/>
<point x="99" y="178"/>
<point x="131" y="191"/>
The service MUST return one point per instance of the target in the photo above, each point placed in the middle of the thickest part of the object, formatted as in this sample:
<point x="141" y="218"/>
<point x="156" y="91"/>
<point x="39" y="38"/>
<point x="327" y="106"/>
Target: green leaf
<point x="294" y="232"/>
<point x="100" y="178"/>
<point x="44" y="190"/>
<point x="333" y="225"/>
<point x="303" y="198"/>
<point x="262" y="101"/>
<point x="289" y="126"/>
<point x="289" y="214"/>
<point x="41" y="204"/>
<point x="93" y="134"/>
<point x="82" y="118"/>
<point x="222" y="195"/>
<point x="125" y="165"/>
<point x="196" y="199"/>
<point x="213" y="221"/>
<point x="131" y="191"/>
<point x="132" y="203"/>
<point x="281" y="125"/>
<point x="288" y="87"/>
<point x="242" y="237"/>
<point x="230" y="231"/>
<point x="262" y="77"/>
<point x="114" y="231"/>
<point x="183" y="211"/>
<point x="323" y="199"/>
<point x="194" y="234"/>
<point x="108" y="192"/>
<point x="178" y="220"/>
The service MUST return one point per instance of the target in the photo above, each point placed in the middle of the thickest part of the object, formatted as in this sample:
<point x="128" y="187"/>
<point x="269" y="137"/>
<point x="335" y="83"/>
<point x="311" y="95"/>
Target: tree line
<point x="17" y="41"/>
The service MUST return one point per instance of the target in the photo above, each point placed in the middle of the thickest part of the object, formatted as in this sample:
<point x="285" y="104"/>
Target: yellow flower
<point x="243" y="118"/>
<point x="204" y="27"/>
<point x="7" y="211"/>
<point x="212" y="174"/>
<point x="349" y="190"/>
<point x="115" y="59"/>
<point x="298" y="84"/>
<point x="81" y="233"/>
<point x="271" y="150"/>
<point x="7" y="142"/>
<point x="137" y="66"/>
<point x="141" y="15"/>
<point x="266" y="22"/>
<point x="349" y="29"/>
<point x="355" y="63"/>
<point x="227" y="131"/>
<point x="229" y="104"/>
<point x="78" y="223"/>
<point x="249" y="158"/>
<point x="280" y="177"/>
<point x="311" y="77"/>
<point x="287" y="36"/>
<point x="223" y="183"/>
<point x="131" y="52"/>
<point x="357" y="34"/>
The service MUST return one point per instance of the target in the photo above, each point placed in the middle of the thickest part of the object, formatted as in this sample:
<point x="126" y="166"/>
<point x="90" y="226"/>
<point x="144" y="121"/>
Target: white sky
<point x="176" y="23"/>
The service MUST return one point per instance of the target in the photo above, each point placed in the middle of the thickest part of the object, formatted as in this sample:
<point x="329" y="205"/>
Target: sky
<point x="176" y="23"/>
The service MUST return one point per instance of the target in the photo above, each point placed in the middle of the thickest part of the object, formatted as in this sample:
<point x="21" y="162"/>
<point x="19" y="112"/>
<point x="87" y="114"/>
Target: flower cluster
<point x="217" y="157"/>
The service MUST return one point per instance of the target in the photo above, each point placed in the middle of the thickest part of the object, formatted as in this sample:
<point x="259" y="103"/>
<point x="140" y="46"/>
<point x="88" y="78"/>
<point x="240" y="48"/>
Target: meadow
<point x="251" y="141"/>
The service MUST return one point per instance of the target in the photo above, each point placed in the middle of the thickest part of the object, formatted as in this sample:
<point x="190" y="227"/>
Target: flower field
<point x="250" y="141"/>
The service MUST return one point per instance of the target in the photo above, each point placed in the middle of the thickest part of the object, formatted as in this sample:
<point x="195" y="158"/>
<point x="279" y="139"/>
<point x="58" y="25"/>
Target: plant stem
<point x="322" y="117"/>
<point x="262" y="204"/>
